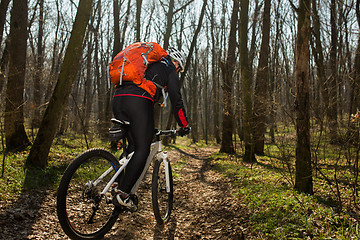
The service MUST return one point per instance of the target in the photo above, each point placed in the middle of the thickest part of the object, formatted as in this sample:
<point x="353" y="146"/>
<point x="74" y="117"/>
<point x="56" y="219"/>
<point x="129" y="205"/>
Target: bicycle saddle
<point x="118" y="130"/>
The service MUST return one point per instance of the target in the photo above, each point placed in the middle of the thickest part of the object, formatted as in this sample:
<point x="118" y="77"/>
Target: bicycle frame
<point x="156" y="149"/>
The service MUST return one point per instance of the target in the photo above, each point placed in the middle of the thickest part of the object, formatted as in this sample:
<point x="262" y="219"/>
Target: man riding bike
<point x="136" y="106"/>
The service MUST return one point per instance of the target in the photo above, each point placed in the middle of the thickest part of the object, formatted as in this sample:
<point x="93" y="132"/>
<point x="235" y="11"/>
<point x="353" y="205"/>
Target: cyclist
<point x="135" y="105"/>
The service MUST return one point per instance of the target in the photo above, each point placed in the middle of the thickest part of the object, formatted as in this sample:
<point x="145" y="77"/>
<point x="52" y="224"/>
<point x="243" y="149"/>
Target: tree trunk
<point x="249" y="155"/>
<point x="40" y="150"/>
<point x="116" y="48"/>
<point x="122" y="40"/>
<point x="3" y="64"/>
<point x="261" y="98"/>
<point x="356" y="84"/>
<point x="3" y="9"/>
<point x="194" y="95"/>
<point x="228" y="70"/>
<point x="193" y="42"/>
<point x="101" y="84"/>
<point x="253" y="36"/>
<point x="319" y="59"/>
<point x="169" y="15"/>
<point x="331" y="87"/>
<point x="303" y="177"/>
<point x="187" y="64"/>
<point x="214" y="77"/>
<point x="15" y="134"/>
<point x="138" y="19"/>
<point x="169" y="24"/>
<point x="89" y="85"/>
<point x="39" y="68"/>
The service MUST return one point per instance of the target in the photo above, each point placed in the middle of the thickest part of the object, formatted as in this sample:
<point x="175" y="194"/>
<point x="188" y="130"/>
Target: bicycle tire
<point x="77" y="196"/>
<point x="162" y="201"/>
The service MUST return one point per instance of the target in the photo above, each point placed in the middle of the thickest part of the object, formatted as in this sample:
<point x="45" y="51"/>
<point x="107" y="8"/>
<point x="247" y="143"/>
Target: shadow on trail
<point x="169" y="233"/>
<point x="203" y="207"/>
<point x="18" y="217"/>
<point x="210" y="210"/>
<point x="206" y="162"/>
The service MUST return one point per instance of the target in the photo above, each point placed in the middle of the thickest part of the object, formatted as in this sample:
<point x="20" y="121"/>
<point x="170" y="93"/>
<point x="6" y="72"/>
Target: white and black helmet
<point x="177" y="56"/>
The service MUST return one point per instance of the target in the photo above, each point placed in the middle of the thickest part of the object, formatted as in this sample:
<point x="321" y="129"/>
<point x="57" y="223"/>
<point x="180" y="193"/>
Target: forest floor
<point x="204" y="208"/>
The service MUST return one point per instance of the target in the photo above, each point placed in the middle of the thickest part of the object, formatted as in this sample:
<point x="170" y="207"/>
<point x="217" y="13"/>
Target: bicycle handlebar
<point x="171" y="133"/>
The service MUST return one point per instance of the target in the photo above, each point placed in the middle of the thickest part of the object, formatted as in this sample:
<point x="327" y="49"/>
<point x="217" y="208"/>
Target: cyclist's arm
<point x="176" y="100"/>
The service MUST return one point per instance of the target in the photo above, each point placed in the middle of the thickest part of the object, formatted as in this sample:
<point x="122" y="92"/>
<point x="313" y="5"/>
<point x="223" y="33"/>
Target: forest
<point x="271" y="90"/>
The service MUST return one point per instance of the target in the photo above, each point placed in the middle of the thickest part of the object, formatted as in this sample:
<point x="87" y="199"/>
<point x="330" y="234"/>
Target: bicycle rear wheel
<point x="82" y="211"/>
<point x="162" y="196"/>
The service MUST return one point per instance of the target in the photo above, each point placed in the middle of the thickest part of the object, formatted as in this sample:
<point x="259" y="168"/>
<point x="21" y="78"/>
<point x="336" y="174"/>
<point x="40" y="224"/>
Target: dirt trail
<point x="203" y="208"/>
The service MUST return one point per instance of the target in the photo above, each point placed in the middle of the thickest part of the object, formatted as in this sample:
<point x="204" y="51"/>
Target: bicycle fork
<point x="163" y="157"/>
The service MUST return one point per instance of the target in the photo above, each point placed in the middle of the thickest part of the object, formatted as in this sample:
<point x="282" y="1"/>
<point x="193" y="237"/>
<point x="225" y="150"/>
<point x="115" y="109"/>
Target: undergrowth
<point x="17" y="178"/>
<point x="279" y="212"/>
<point x="265" y="188"/>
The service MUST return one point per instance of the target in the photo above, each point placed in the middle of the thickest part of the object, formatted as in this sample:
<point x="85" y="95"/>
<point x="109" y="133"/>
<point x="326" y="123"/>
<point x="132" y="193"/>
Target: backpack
<point x="131" y="63"/>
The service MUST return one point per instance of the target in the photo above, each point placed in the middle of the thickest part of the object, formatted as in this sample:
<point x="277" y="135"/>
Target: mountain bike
<point x="84" y="200"/>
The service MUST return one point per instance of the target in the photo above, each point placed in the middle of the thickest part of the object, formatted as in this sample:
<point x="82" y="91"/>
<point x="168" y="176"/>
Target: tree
<point x="188" y="59"/>
<point x="319" y="57"/>
<point x="227" y="71"/>
<point x="214" y="75"/>
<point x="303" y="176"/>
<point x="169" y="16"/>
<point x="138" y="19"/>
<point x="116" y="45"/>
<point x="331" y="86"/>
<point x="3" y="9"/>
<point x="354" y="105"/>
<point x="122" y="39"/>
<point x="261" y="85"/>
<point x="3" y="65"/>
<point x="39" y="67"/>
<point x="356" y="84"/>
<point x="40" y="150"/>
<point x="249" y="155"/>
<point x="16" y="137"/>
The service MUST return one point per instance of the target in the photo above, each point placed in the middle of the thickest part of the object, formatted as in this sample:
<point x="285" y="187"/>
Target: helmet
<point x="177" y="56"/>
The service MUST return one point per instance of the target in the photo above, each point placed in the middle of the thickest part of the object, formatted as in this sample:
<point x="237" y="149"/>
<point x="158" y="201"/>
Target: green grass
<point x="17" y="178"/>
<point x="276" y="211"/>
<point x="279" y="212"/>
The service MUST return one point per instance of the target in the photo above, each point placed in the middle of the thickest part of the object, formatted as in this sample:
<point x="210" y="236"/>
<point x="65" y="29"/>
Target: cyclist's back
<point x="135" y="105"/>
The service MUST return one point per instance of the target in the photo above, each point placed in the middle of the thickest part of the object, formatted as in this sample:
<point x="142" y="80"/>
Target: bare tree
<point x="15" y="134"/>
<point x="138" y="19"/>
<point x="40" y="149"/>
<point x="214" y="74"/>
<point x="116" y="45"/>
<point x="228" y="71"/>
<point x="39" y="67"/>
<point x="191" y="50"/>
<point x="126" y="22"/>
<point x="3" y="9"/>
<point x="332" y="85"/>
<point x="319" y="58"/>
<point x="261" y="85"/>
<point x="303" y="178"/>
<point x="169" y="16"/>
<point x="356" y="85"/>
<point x="3" y="64"/>
<point x="246" y="80"/>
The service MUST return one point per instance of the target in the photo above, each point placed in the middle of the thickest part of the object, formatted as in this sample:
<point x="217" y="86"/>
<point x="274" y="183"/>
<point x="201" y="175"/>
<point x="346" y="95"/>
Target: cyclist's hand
<point x="184" y="131"/>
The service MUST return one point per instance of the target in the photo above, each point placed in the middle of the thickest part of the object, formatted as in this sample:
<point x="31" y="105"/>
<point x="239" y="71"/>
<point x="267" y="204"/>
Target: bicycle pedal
<point x="134" y="208"/>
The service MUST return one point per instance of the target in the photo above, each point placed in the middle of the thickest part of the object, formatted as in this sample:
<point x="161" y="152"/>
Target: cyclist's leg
<point x="140" y="113"/>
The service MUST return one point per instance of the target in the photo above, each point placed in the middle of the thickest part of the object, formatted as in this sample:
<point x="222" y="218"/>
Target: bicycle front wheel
<point x="162" y="191"/>
<point x="82" y="211"/>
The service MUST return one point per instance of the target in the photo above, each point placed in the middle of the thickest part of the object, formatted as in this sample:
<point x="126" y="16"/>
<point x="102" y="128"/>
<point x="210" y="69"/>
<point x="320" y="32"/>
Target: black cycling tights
<point x="140" y="113"/>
